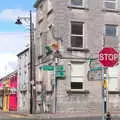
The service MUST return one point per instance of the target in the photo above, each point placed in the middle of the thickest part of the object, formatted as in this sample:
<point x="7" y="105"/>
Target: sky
<point x="13" y="38"/>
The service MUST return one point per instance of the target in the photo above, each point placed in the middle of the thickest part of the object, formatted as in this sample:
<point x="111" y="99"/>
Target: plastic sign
<point x="108" y="57"/>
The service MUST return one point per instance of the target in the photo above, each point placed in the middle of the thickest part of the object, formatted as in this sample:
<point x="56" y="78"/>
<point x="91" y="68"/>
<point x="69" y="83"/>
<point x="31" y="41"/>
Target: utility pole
<point x="31" y="66"/>
<point x="31" y="70"/>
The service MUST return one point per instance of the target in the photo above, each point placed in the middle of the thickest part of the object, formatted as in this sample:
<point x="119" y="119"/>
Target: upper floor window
<point x="110" y="30"/>
<point x="77" y="34"/>
<point x="77" y="2"/>
<point x="110" y="4"/>
<point x="50" y="7"/>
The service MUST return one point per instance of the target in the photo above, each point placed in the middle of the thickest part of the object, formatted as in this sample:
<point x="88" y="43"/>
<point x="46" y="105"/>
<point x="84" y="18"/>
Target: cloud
<point x="12" y="14"/>
<point x="5" y="67"/>
<point x="13" y="41"/>
<point x="10" y="45"/>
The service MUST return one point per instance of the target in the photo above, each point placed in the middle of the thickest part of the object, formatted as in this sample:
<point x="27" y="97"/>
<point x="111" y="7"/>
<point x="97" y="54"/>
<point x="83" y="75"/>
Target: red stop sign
<point x="108" y="57"/>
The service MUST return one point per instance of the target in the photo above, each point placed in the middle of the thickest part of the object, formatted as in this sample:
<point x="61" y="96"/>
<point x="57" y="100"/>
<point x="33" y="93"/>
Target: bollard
<point x="108" y="116"/>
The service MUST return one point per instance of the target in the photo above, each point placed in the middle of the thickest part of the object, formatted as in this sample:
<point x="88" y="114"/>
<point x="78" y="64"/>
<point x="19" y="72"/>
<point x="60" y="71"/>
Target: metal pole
<point x="55" y="85"/>
<point x="31" y="88"/>
<point x="105" y="92"/>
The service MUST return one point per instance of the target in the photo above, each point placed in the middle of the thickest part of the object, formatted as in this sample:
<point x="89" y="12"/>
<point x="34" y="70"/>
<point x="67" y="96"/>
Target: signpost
<point x="95" y="70"/>
<point x="59" y="70"/>
<point x="108" y="57"/>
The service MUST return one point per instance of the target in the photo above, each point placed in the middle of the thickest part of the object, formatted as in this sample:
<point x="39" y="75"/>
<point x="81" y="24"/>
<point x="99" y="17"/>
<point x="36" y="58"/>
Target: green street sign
<point x="60" y="68"/>
<point x="60" y="74"/>
<point x="96" y="68"/>
<point x="48" y="68"/>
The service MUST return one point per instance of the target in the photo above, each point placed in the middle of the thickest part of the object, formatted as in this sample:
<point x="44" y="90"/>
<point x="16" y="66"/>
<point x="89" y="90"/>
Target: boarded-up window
<point x="77" y="75"/>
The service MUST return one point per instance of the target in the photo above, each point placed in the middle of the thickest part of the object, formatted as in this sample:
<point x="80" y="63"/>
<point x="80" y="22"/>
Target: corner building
<point x="81" y="28"/>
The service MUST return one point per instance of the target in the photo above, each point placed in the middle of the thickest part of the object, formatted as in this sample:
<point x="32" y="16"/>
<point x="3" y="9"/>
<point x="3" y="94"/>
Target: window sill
<point x="77" y="49"/>
<point x="78" y="7"/>
<point x="114" y="92"/>
<point x="110" y="10"/>
<point x="78" y="91"/>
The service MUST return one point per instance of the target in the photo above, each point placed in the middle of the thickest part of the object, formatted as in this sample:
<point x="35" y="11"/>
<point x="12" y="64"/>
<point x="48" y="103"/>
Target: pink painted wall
<point x="13" y="95"/>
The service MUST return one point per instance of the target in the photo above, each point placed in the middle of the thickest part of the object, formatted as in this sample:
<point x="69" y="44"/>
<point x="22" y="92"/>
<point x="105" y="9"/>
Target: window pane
<point x="109" y="5"/>
<point x="77" y="2"/>
<point x="77" y="28"/>
<point x="110" y="30"/>
<point x="77" y="41"/>
<point x="76" y="85"/>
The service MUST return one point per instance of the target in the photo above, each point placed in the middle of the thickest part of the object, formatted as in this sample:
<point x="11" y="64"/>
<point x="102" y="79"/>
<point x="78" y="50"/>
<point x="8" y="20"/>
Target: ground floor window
<point x="77" y="75"/>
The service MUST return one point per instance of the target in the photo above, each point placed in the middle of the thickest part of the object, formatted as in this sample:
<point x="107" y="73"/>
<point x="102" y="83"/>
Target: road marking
<point x="17" y="116"/>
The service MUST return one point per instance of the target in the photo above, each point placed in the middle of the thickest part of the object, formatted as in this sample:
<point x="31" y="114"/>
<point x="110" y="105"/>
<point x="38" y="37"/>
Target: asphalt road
<point x="9" y="116"/>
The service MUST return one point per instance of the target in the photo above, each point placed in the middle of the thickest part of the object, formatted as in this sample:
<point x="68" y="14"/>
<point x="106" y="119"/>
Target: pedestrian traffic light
<point x="48" y="50"/>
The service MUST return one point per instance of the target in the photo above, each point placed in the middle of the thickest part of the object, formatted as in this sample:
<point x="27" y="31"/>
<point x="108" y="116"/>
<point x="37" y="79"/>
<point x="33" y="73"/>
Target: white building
<point x="23" y="81"/>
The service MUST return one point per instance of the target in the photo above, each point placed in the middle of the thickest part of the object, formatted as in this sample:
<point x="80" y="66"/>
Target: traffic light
<point x="48" y="50"/>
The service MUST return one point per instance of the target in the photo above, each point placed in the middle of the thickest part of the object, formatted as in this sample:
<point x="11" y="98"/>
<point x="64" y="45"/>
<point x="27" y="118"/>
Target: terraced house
<point x="69" y="36"/>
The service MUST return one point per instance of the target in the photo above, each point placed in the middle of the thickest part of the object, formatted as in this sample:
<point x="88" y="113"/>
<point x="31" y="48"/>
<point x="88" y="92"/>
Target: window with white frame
<point x="113" y="78"/>
<point x="77" y="75"/>
<point x="77" y="3"/>
<point x="110" y="4"/>
<point x="77" y="34"/>
<point x="110" y="30"/>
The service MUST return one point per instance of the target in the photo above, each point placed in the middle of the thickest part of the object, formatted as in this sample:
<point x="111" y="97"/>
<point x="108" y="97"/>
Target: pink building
<point x="13" y="93"/>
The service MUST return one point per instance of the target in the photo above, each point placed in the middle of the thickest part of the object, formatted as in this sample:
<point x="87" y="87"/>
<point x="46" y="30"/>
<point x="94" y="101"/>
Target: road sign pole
<point x="108" y="57"/>
<point x="105" y="93"/>
<point x="55" y="86"/>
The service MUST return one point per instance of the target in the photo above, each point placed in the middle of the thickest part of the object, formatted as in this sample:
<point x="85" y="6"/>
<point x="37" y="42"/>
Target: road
<point x="13" y="116"/>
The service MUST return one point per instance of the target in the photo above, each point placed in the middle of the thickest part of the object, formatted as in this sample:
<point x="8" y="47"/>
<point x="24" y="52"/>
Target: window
<point x="110" y="30"/>
<point x="50" y="7"/>
<point x="77" y="75"/>
<point x="110" y="4"/>
<point x="40" y="14"/>
<point x="77" y="2"/>
<point x="77" y="34"/>
<point x="113" y="78"/>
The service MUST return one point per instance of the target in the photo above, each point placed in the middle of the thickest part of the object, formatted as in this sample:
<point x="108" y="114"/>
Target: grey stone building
<point x="81" y="28"/>
<point x="23" y="81"/>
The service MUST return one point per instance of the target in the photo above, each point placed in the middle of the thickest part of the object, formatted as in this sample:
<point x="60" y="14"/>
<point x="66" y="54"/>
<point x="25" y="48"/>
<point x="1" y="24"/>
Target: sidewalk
<point x="59" y="115"/>
<point x="65" y="115"/>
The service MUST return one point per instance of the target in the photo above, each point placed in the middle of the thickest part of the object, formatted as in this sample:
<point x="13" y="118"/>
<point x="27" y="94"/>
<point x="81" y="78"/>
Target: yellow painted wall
<point x="6" y="103"/>
<point x="6" y="98"/>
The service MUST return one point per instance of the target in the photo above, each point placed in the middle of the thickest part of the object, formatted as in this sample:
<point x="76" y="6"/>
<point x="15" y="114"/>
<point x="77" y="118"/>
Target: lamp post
<point x="19" y="22"/>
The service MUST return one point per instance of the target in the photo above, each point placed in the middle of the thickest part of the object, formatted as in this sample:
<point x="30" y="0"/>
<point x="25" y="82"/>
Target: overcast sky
<point x="13" y="38"/>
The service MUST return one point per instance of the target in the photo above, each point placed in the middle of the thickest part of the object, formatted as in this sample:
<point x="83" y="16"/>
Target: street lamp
<point x="19" y="22"/>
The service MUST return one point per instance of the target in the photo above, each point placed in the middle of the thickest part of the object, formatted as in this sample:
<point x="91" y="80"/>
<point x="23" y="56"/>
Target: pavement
<point x="51" y="116"/>
<point x="59" y="115"/>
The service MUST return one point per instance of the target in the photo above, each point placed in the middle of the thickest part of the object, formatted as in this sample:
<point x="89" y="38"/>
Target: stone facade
<point x="53" y="25"/>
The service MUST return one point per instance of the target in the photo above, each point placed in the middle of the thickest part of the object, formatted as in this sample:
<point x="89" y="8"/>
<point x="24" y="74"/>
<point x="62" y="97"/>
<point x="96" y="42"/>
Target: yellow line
<point x="17" y="116"/>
